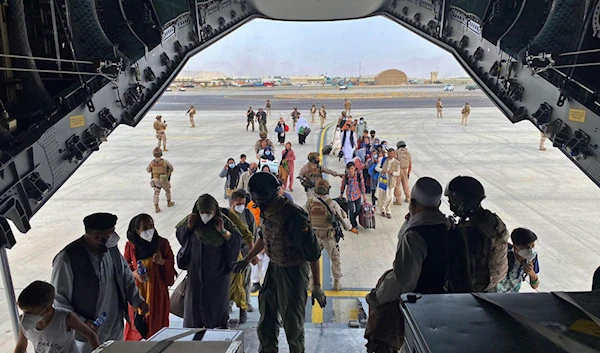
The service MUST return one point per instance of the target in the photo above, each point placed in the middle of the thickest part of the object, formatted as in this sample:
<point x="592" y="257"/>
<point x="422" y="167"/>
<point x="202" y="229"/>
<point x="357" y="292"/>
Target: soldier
<point x="323" y="212"/>
<point x="313" y="172"/>
<point x="322" y="115"/>
<point x="439" y="108"/>
<point x="268" y="107"/>
<point x="466" y="110"/>
<point x="295" y="116"/>
<point x="542" y="141"/>
<point x="250" y="118"/>
<point x="313" y="112"/>
<point x="289" y="241"/>
<point x="263" y="137"/>
<point x="347" y="105"/>
<point x="160" y="127"/>
<point x="191" y="113"/>
<point x="161" y="171"/>
<point x="486" y="233"/>
<point x="261" y="117"/>
<point x="405" y="168"/>
<point x="389" y="169"/>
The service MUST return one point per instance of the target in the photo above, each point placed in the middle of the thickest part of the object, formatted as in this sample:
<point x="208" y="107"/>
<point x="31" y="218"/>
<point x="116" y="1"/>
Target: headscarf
<point x="302" y="122"/>
<point x="234" y="176"/>
<point x="143" y="249"/>
<point x="270" y="157"/>
<point x="207" y="233"/>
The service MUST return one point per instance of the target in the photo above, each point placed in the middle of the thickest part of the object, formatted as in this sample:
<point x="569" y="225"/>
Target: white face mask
<point x="239" y="208"/>
<point x="206" y="217"/>
<point x="527" y="254"/>
<point x="147" y="235"/>
<point x="28" y="321"/>
<point x="112" y="241"/>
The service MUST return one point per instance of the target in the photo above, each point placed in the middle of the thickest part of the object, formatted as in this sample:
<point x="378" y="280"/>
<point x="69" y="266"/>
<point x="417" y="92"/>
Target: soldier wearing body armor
<point x="405" y="159"/>
<point x="466" y="110"/>
<point x="295" y="116"/>
<point x="323" y="214"/>
<point x="322" y="115"/>
<point x="486" y="234"/>
<point x="160" y="127"/>
<point x="347" y="106"/>
<point x="313" y="172"/>
<point x="191" y="112"/>
<point x="160" y="170"/>
<point x="263" y="137"/>
<point x="288" y="239"/>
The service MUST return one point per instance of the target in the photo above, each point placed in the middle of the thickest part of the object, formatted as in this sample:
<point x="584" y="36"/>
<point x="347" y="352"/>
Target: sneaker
<point x="388" y="215"/>
<point x="255" y="288"/>
<point x="243" y="316"/>
<point x="354" y="230"/>
<point x="250" y="308"/>
<point x="383" y="214"/>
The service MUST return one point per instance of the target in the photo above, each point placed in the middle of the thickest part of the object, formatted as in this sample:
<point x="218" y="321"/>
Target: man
<point x="288" y="239"/>
<point x="349" y="141"/>
<point x="355" y="184"/>
<point x="191" y="112"/>
<point x="91" y="277"/>
<point x="322" y="115"/>
<point x="372" y="133"/>
<point x="323" y="212"/>
<point x="347" y="105"/>
<point x="486" y="233"/>
<point x="160" y="177"/>
<point x="439" y="108"/>
<point x="342" y="120"/>
<point x="419" y="266"/>
<point x="160" y="127"/>
<point x="261" y="117"/>
<point x="466" y="110"/>
<point x="313" y="171"/>
<point x="245" y="177"/>
<point x="263" y="137"/>
<point x="405" y="169"/>
<point x="542" y="141"/>
<point x="243" y="165"/>
<point x="313" y="112"/>
<point x="268" y="107"/>
<point x="361" y="127"/>
<point x="389" y="169"/>
<point x="250" y="118"/>
<point x="295" y="116"/>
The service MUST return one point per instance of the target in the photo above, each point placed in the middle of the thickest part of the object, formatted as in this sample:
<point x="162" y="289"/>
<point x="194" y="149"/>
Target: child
<point x="49" y="329"/>
<point x="522" y="262"/>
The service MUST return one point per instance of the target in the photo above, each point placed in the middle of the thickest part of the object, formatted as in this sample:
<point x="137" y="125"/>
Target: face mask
<point x="384" y="146"/>
<point x="112" y="241"/>
<point x="252" y="170"/>
<point x="147" y="235"/>
<point x="362" y="121"/>
<point x="231" y="165"/>
<point x="30" y="320"/>
<point x="527" y="254"/>
<point x="267" y="153"/>
<point x="206" y="217"/>
<point x="239" y="208"/>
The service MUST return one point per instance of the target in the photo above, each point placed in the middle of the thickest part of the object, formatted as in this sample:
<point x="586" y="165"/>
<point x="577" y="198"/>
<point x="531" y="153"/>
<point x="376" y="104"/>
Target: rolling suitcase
<point x="366" y="217"/>
<point x="343" y="203"/>
<point x="327" y="149"/>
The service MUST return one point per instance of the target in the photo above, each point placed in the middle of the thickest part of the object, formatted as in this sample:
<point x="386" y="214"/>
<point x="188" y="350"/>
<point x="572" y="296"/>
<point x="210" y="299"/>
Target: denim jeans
<point x="354" y="211"/>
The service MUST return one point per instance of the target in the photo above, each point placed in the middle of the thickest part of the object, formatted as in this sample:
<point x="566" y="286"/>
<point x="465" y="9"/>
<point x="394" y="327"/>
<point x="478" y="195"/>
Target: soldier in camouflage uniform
<point x="486" y="234"/>
<point x="313" y="171"/>
<point x="160" y="170"/>
<point x="405" y="159"/>
<point x="288" y="239"/>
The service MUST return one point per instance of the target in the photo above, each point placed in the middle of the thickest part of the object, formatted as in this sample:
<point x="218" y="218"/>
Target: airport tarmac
<point x="542" y="191"/>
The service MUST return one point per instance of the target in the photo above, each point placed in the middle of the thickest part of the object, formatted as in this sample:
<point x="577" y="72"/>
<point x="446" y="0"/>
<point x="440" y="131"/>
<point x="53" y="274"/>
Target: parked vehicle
<point x="472" y="87"/>
<point x="448" y="88"/>
<point x="181" y="89"/>
<point x="343" y="87"/>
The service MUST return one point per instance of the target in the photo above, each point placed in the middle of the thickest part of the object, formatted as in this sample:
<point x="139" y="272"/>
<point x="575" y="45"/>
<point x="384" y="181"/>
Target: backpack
<point x="320" y="217"/>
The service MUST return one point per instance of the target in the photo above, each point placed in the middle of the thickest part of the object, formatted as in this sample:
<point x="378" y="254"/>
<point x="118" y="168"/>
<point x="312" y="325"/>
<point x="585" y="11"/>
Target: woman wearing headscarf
<point x="301" y="127"/>
<point x="154" y="252"/>
<point x="232" y="172"/>
<point x="210" y="242"/>
<point x="280" y="130"/>
<point x="288" y="158"/>
<point x="336" y="144"/>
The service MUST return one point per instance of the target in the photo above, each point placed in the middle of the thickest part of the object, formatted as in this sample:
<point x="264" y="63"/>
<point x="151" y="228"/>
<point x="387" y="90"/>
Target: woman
<point x="210" y="243"/>
<point x="280" y="130"/>
<point x="336" y="144"/>
<point x="288" y="156"/>
<point x="232" y="172"/>
<point x="301" y="127"/>
<point x="145" y="245"/>
<point x="313" y="112"/>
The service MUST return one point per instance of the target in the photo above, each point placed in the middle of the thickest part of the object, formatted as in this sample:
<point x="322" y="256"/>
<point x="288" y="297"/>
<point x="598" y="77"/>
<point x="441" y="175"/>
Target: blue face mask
<point x="384" y="146"/>
<point x="267" y="153"/>
<point x="232" y="165"/>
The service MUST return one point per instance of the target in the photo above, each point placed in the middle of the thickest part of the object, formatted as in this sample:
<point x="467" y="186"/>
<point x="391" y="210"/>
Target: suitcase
<point x="343" y="203"/>
<point x="366" y="217"/>
<point x="327" y="149"/>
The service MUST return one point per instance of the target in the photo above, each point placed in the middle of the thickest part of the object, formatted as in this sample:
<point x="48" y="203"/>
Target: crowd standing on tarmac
<point x="263" y="242"/>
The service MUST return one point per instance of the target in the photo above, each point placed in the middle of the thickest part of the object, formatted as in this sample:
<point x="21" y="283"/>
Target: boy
<point x="49" y="329"/>
<point x="522" y="262"/>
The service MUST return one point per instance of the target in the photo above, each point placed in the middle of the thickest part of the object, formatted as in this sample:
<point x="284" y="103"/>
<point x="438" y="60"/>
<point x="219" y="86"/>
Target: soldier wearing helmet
<point x="487" y="235"/>
<point x="160" y="170"/>
<point x="263" y="137"/>
<point x="160" y="126"/>
<point x="288" y="239"/>
<point x="405" y="159"/>
<point x="313" y="171"/>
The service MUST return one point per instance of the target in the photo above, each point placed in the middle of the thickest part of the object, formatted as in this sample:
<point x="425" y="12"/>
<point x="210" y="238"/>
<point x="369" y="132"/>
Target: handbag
<point x="229" y="192"/>
<point x="383" y="182"/>
<point x="178" y="298"/>
<point x="286" y="128"/>
<point x="278" y="129"/>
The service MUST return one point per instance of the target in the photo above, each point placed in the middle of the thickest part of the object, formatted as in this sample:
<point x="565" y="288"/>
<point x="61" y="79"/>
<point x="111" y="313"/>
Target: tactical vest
<point x="404" y="158"/>
<point x="277" y="235"/>
<point x="193" y="112"/>
<point x="466" y="109"/>
<point x="159" y="168"/>
<point x="319" y="217"/>
<point x="314" y="172"/>
<point x="157" y="126"/>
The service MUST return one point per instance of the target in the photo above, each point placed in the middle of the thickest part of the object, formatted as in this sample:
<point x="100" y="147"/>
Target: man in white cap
<point x="419" y="266"/>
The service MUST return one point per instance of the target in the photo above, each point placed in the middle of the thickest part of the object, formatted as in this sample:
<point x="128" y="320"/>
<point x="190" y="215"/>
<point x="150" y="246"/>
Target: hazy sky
<point x="264" y="47"/>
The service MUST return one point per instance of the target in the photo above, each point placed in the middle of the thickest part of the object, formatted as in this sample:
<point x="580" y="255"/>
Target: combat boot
<point x="170" y="203"/>
<point x="243" y="316"/>
<point x="337" y="284"/>
<point x="156" y="208"/>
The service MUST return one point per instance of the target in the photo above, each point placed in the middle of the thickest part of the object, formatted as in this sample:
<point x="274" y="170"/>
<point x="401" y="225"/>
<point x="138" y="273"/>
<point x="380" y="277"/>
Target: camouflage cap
<point x="322" y="187"/>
